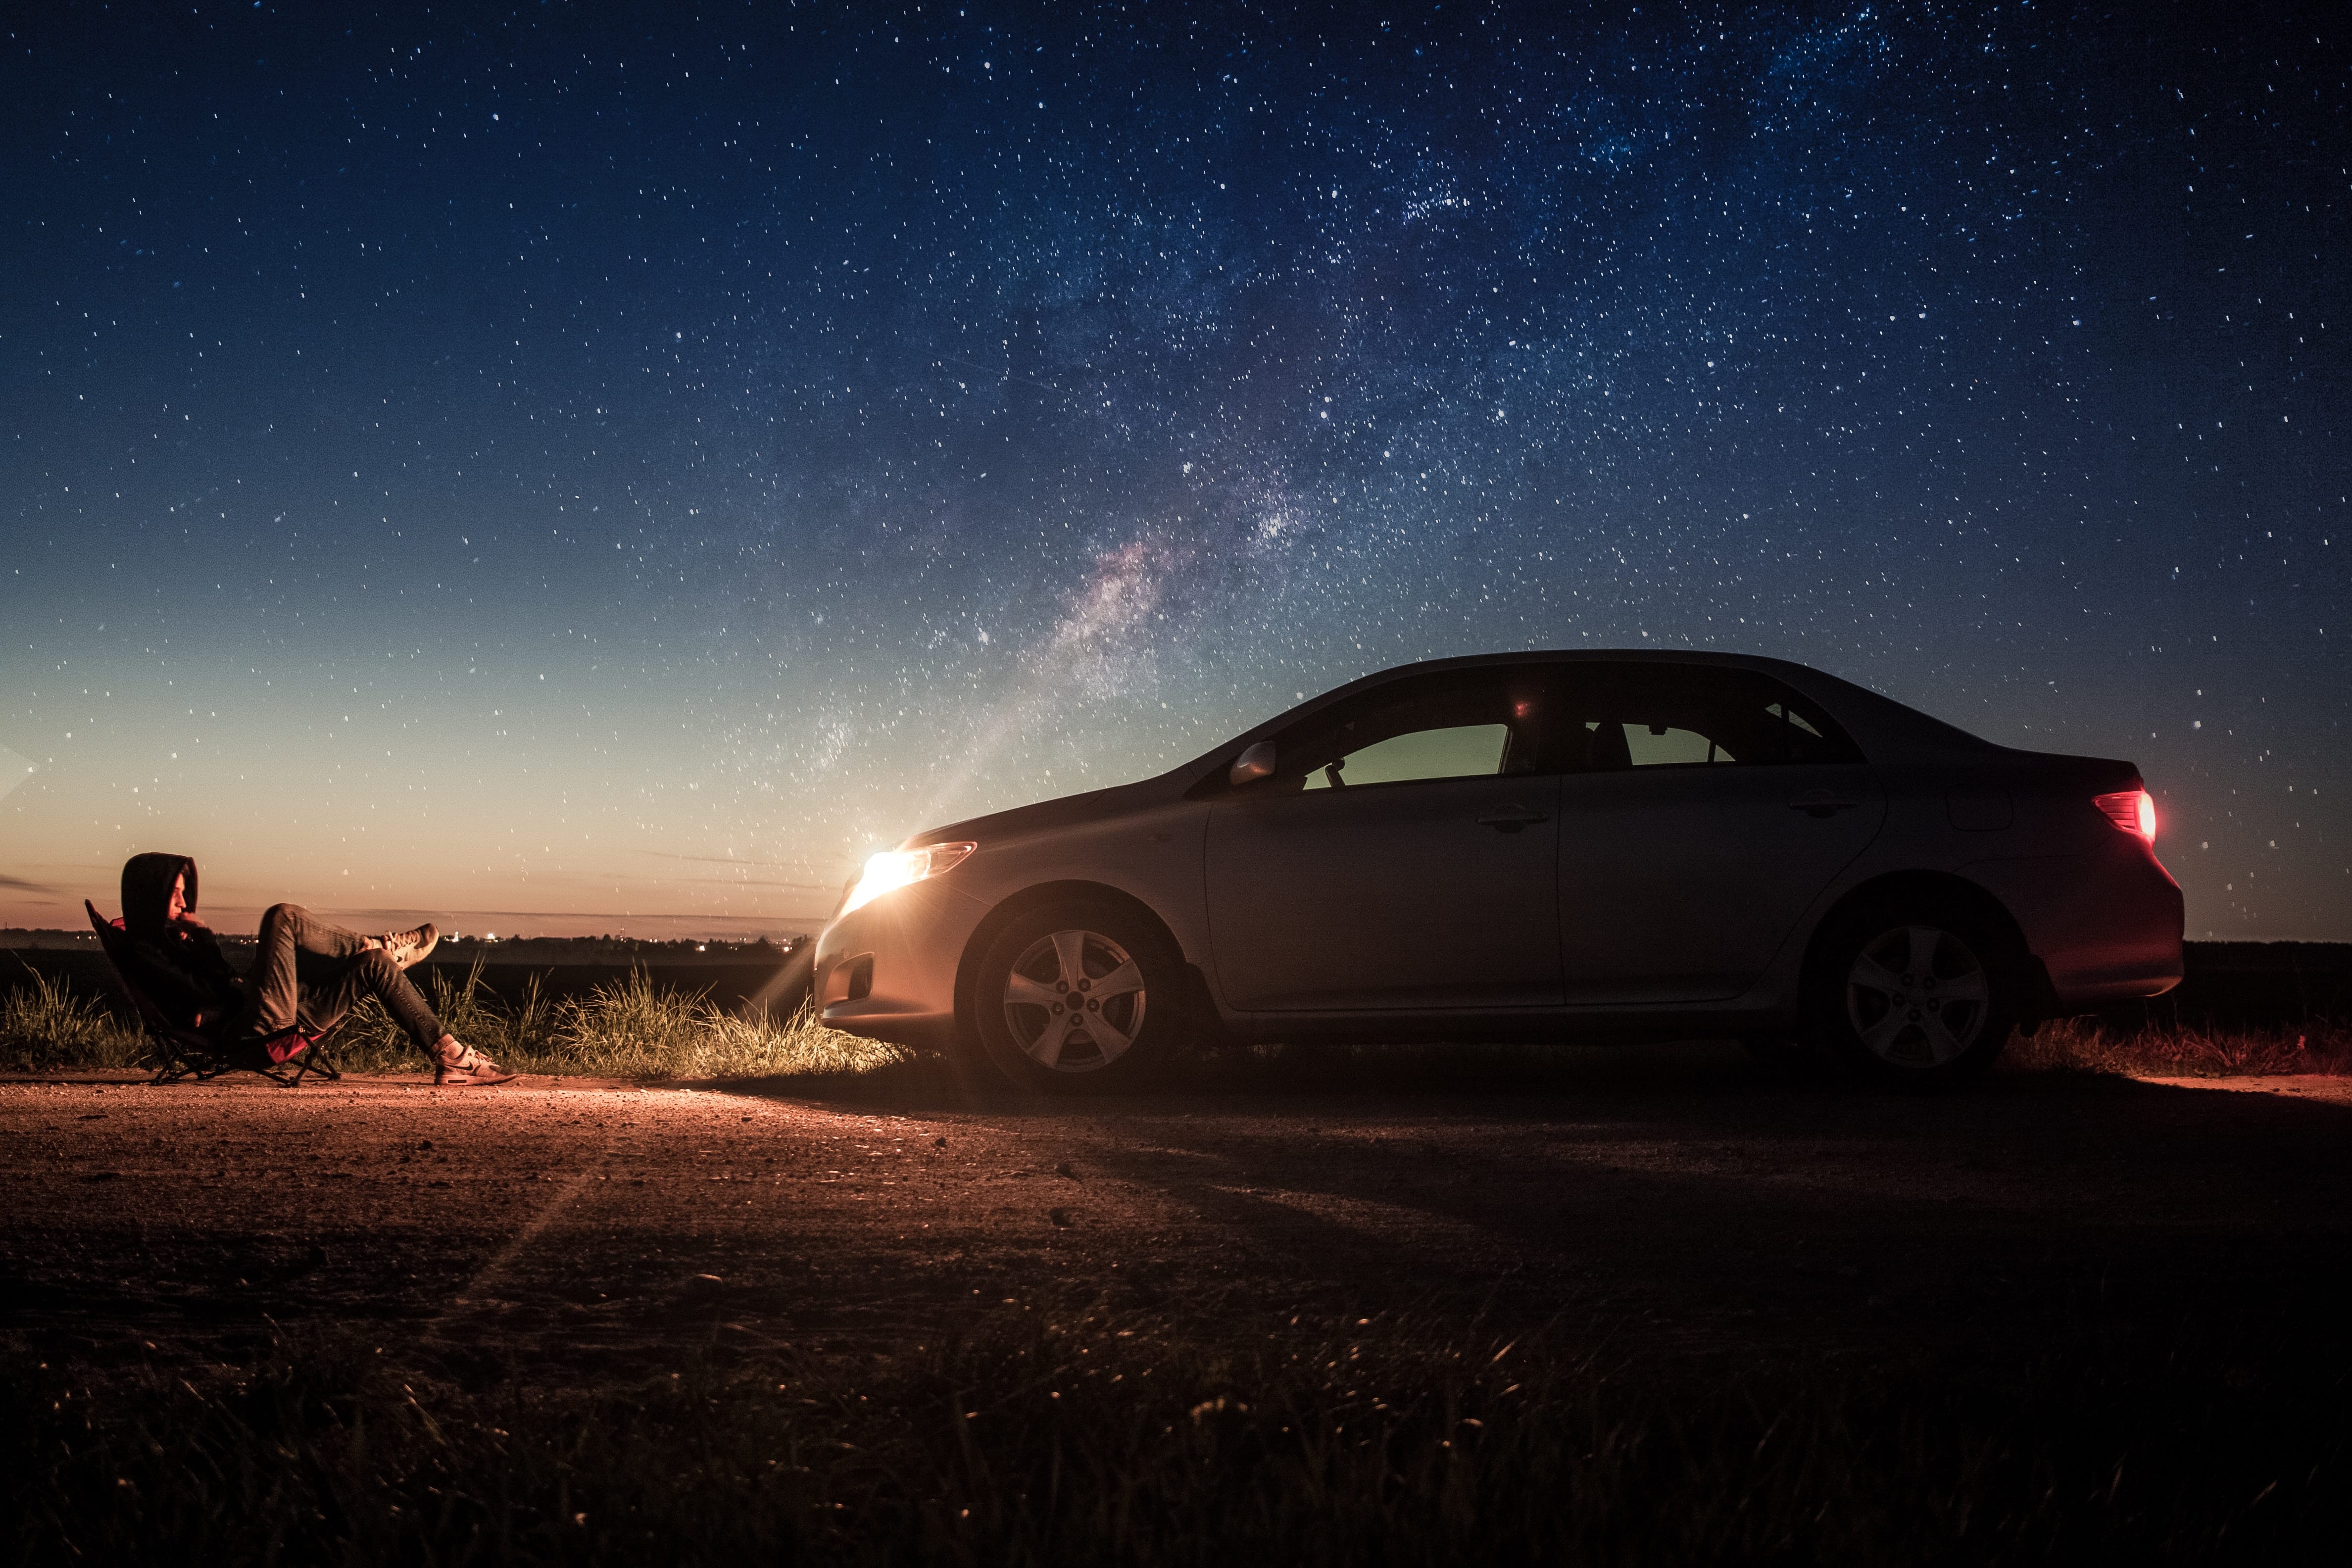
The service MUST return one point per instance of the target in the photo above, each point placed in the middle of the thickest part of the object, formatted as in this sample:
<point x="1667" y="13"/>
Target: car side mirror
<point x="1256" y="763"/>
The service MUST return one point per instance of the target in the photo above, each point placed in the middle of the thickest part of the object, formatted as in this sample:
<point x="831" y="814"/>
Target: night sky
<point x="575" y="470"/>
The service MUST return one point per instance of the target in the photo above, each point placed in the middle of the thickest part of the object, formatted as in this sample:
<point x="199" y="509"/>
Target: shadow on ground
<point x="1676" y="1201"/>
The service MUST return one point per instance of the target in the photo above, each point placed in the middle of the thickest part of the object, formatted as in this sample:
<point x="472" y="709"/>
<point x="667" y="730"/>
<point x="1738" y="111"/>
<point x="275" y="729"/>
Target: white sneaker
<point x="455" y="1066"/>
<point x="408" y="947"/>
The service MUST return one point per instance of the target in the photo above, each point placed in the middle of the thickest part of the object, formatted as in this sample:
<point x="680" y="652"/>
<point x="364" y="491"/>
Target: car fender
<point x="1150" y="861"/>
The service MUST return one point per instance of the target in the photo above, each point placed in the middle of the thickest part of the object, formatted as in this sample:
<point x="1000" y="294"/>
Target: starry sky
<point x="578" y="469"/>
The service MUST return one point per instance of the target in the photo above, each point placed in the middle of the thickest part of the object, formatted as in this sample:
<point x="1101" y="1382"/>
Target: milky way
<point x="589" y="472"/>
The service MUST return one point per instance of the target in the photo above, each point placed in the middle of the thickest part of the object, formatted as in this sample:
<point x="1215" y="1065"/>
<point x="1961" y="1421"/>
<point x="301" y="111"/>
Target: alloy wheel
<point x="1917" y="996"/>
<point x="1074" y="1001"/>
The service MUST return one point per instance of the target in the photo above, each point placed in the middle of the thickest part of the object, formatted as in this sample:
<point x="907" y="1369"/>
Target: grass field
<point x="630" y="1028"/>
<point x="1014" y="1440"/>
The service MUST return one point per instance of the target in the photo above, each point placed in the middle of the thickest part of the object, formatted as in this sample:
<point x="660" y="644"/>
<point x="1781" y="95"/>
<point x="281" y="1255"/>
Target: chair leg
<point x="314" y="1062"/>
<point x="294" y="1070"/>
<point x="174" y="1064"/>
<point x="180" y="1063"/>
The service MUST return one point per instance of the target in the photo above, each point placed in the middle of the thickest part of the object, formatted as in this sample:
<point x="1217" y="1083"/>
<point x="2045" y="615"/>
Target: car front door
<point x="1402" y="856"/>
<point x="1707" y="810"/>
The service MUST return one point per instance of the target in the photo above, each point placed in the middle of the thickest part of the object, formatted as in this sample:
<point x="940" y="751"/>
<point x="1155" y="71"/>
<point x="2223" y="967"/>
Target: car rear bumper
<point x="2106" y="925"/>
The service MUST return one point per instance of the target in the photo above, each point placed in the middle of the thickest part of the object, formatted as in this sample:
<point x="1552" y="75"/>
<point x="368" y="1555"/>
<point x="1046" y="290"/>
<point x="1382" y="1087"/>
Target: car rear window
<point x="1663" y="715"/>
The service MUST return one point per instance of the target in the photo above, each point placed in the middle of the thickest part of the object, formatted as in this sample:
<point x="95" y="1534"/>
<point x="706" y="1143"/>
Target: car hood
<point x="1045" y="816"/>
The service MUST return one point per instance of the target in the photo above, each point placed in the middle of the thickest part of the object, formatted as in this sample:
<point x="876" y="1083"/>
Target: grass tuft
<point x="624" y="1028"/>
<point x="44" y="1027"/>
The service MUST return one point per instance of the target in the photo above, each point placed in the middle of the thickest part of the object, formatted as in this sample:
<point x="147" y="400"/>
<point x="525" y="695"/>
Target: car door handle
<point x="1821" y="802"/>
<point x="1512" y="818"/>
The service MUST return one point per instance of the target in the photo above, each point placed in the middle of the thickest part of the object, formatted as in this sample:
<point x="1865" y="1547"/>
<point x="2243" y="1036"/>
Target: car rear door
<point x="1707" y="810"/>
<point x="1402" y="856"/>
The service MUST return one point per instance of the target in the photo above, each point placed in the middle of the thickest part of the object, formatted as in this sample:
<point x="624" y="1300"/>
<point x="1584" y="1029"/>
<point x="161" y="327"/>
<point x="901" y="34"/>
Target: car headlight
<point x="896" y="869"/>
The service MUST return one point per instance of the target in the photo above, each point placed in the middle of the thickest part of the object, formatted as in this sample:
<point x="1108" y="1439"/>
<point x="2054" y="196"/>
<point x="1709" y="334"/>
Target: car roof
<point x="1884" y="727"/>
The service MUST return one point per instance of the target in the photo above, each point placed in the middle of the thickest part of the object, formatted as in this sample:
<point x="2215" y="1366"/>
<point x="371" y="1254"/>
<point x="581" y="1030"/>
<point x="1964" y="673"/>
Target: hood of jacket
<point x="147" y="890"/>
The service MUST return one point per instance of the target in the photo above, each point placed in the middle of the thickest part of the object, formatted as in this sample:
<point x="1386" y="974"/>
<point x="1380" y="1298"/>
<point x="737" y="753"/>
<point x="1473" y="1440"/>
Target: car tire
<point x="1923" y="994"/>
<point x="1078" y="996"/>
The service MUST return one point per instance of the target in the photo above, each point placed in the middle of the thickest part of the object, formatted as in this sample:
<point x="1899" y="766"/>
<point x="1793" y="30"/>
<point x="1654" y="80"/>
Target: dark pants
<point x="308" y="974"/>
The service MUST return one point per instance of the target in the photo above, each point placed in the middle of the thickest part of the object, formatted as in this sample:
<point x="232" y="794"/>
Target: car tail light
<point x="2132" y="810"/>
<point x="895" y="868"/>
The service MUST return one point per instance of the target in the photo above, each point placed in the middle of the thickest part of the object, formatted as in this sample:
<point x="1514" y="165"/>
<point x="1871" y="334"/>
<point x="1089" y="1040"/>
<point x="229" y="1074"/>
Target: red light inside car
<point x="2132" y="810"/>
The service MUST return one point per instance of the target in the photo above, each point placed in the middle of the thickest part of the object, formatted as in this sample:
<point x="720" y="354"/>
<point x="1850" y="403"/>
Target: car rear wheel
<point x="1919" y="996"/>
<point x="1078" y="996"/>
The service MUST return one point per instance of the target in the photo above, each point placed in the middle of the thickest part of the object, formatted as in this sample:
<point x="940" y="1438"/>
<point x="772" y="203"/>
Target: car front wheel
<point x="1916" y="996"/>
<point x="1078" y="996"/>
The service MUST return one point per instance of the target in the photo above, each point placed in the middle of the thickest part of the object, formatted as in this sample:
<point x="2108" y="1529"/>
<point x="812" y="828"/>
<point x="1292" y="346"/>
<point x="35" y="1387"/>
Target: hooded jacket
<point x="179" y="966"/>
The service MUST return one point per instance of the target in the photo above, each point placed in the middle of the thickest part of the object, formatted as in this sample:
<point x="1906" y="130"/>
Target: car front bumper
<point x="887" y="970"/>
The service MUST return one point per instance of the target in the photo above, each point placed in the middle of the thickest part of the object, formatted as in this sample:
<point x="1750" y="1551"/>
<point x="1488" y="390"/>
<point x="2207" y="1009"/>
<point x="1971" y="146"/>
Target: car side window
<point x="1456" y="751"/>
<point x="1670" y="745"/>
<point x="1481" y="723"/>
<point x="1650" y="716"/>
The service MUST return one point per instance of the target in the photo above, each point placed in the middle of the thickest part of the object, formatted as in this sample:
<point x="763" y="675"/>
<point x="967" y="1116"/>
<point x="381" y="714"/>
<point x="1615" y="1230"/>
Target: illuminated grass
<point x="2084" y="1045"/>
<point x="1016" y="1440"/>
<point x="624" y="1028"/>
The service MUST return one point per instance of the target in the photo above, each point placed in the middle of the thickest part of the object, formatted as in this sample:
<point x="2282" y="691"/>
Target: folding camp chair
<point x="286" y="1058"/>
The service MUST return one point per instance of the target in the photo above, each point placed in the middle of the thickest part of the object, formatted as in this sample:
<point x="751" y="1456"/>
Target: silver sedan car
<point x="1551" y="846"/>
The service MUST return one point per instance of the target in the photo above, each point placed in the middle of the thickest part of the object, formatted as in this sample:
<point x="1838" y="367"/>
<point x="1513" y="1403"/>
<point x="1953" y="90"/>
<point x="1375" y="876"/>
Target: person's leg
<point x="295" y="948"/>
<point x="377" y="973"/>
<point x="323" y="1001"/>
<point x="310" y="971"/>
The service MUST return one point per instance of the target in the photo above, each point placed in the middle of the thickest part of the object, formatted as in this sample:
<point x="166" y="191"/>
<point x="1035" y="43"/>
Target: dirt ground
<point x="1678" y="1201"/>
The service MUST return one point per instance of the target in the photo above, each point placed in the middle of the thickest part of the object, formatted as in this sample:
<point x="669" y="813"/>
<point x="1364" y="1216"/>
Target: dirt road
<point x="1676" y="1201"/>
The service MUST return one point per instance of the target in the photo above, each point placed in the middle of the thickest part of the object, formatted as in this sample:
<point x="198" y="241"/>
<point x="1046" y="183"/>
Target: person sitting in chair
<point x="307" y="974"/>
